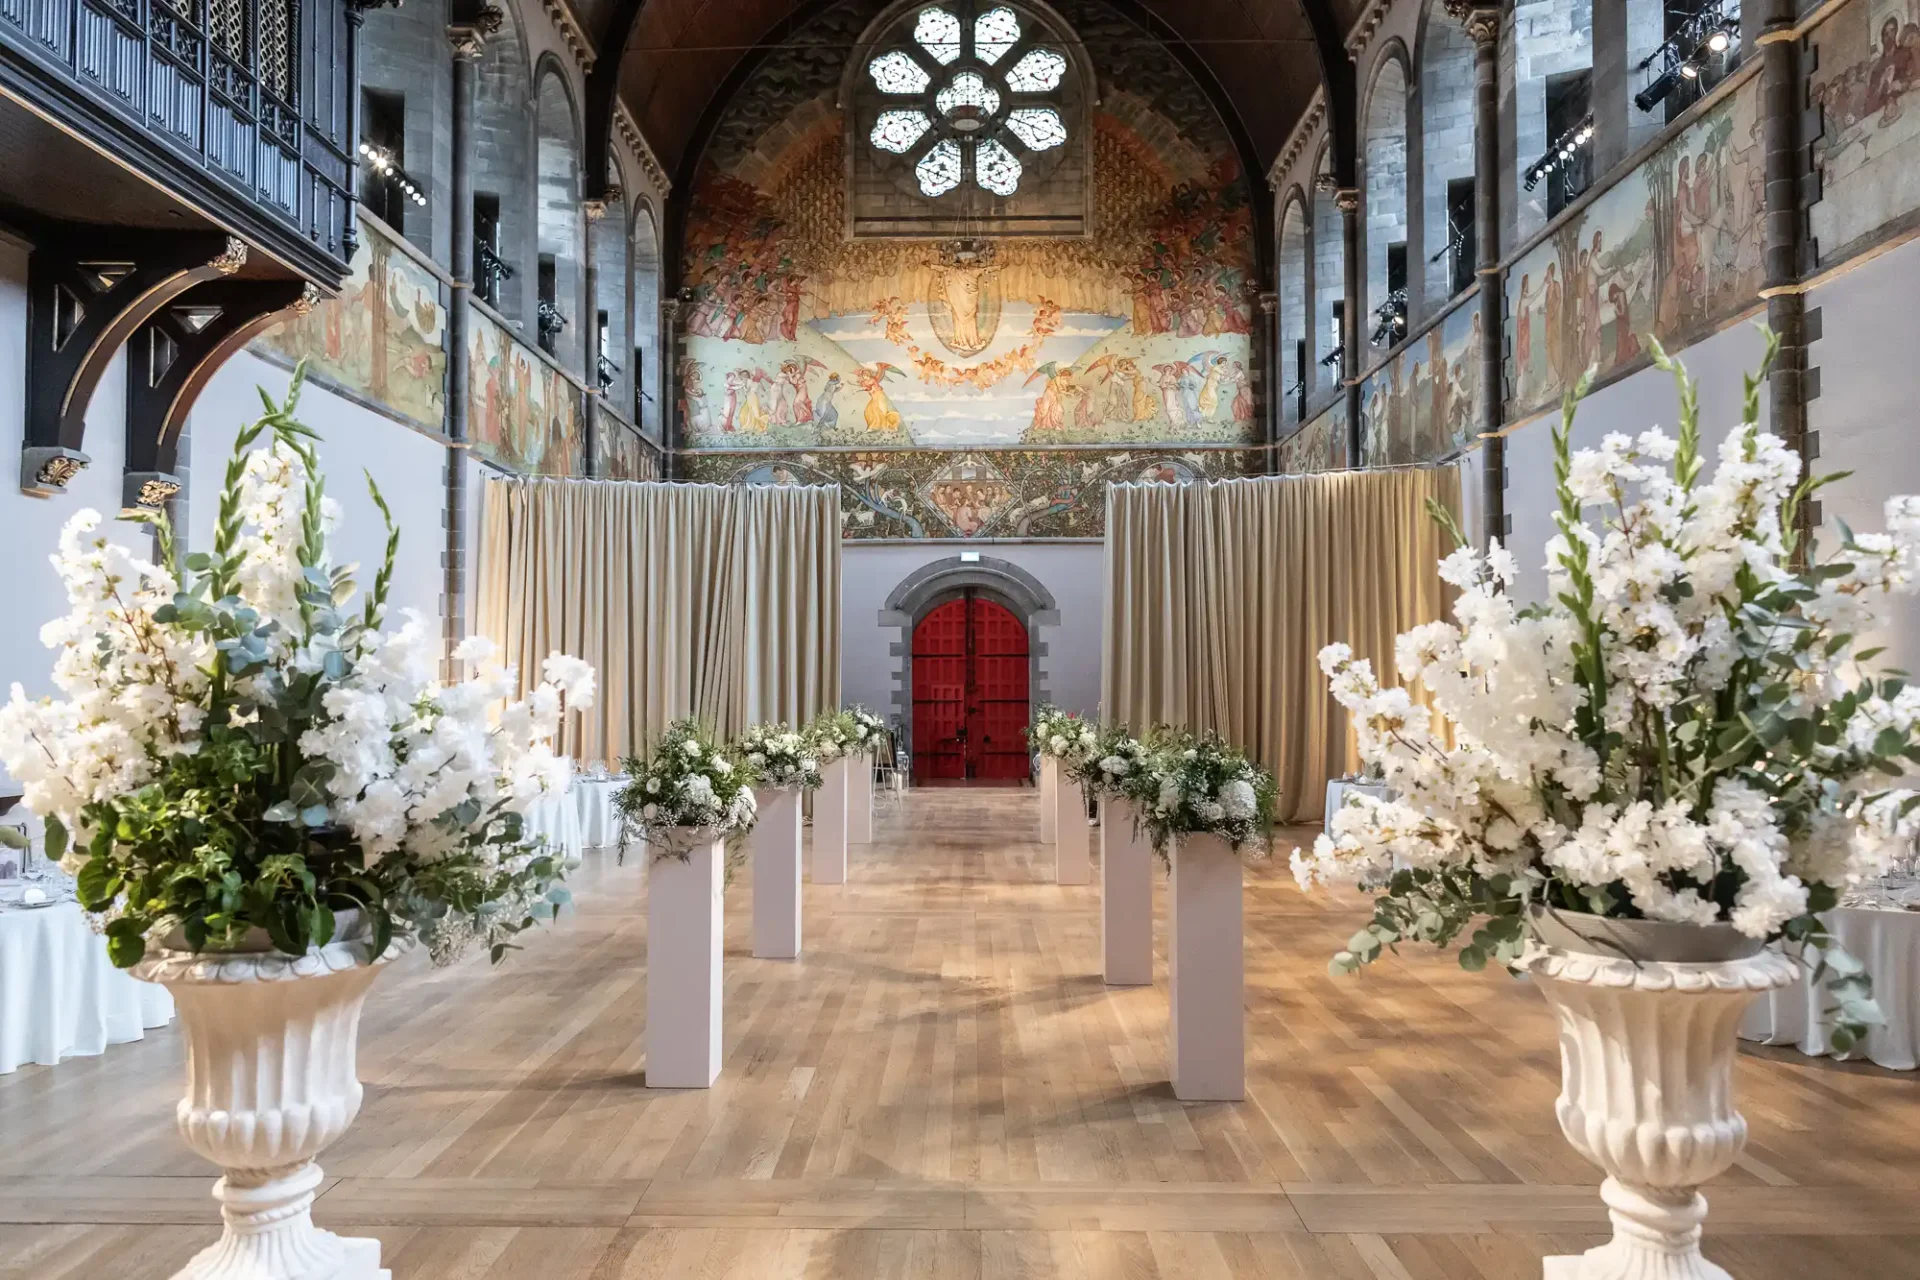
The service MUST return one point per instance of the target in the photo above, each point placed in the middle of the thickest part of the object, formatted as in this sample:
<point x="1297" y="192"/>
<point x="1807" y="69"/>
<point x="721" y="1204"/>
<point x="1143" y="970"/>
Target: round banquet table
<point x="556" y="818"/>
<point x="599" y="820"/>
<point x="59" y="995"/>
<point x="1887" y="941"/>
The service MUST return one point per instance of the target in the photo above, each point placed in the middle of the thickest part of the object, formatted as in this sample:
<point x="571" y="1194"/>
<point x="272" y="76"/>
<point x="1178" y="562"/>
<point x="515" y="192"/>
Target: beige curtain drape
<point x="718" y="601"/>
<point x="1220" y="597"/>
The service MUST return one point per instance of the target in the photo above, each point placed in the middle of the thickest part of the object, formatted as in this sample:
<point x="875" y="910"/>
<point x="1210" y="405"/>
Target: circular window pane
<point x="968" y="101"/>
<point x="1038" y="71"/>
<point x="939" y="169"/>
<point x="938" y="32"/>
<point x="896" y="72"/>
<point x="1038" y="127"/>
<point x="897" y="131"/>
<point x="994" y="33"/>
<point x="996" y="168"/>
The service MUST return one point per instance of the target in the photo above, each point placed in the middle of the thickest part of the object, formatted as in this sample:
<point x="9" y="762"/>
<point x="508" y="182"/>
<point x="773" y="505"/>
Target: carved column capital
<point x="1482" y="20"/>
<point x="594" y="209"/>
<point x="1346" y="199"/>
<point x="470" y="37"/>
<point x="1269" y="302"/>
<point x="231" y="258"/>
<point x="670" y="310"/>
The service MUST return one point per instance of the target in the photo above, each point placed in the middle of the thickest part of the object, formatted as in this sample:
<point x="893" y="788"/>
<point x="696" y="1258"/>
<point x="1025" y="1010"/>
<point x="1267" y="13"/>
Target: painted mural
<point x="968" y="493"/>
<point x="522" y="412"/>
<point x="1673" y="249"/>
<point x="796" y="336"/>
<point x="1425" y="404"/>
<point x="623" y="453"/>
<point x="1321" y="445"/>
<point x="382" y="339"/>
<point x="1867" y="71"/>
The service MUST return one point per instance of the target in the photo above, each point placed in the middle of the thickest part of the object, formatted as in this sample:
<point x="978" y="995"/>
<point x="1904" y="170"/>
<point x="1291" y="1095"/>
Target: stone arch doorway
<point x="943" y="581"/>
<point x="970" y="692"/>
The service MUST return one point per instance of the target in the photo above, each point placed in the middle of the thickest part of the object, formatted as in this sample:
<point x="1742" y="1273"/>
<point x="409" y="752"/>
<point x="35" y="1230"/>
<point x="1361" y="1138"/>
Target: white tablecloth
<point x="59" y="996"/>
<point x="1337" y="790"/>
<point x="1888" y="943"/>
<point x="599" y="820"/>
<point x="556" y="817"/>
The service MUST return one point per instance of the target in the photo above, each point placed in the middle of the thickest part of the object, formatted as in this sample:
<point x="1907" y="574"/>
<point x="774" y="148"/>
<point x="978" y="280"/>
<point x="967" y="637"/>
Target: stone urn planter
<point x="1648" y="1013"/>
<point x="271" y="1046"/>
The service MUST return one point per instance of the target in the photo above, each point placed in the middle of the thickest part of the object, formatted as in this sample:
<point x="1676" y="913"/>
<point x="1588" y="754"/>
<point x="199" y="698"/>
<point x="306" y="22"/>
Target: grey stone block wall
<point x="1384" y="161"/>
<point x="1329" y="287"/>
<point x="1446" y="124"/>
<point x="609" y="234"/>
<point x="558" y="212"/>
<point x="646" y="320"/>
<point x="1293" y="301"/>
<point x="1550" y="38"/>
<point x="405" y="51"/>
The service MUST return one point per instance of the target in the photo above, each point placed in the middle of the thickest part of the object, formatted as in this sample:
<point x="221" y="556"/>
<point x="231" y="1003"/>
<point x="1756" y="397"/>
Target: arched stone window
<point x="503" y="214"/>
<point x="610" y="264"/>
<point x="1385" y="158"/>
<point x="557" y="271"/>
<point x="646" y="373"/>
<point x="969" y="117"/>
<point x="1296" y="346"/>
<point x="1446" y="158"/>
<point x="1552" y="93"/>
<point x="1330" y="323"/>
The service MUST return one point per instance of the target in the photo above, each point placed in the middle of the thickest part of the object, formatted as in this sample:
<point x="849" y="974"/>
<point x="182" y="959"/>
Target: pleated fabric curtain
<point x="717" y="601"/>
<point x="1220" y="597"/>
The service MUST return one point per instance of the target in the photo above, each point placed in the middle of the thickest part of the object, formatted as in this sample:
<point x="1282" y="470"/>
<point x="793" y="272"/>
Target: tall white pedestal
<point x="860" y="799"/>
<point x="684" y="932"/>
<point x="775" y="845"/>
<point x="830" y="825"/>
<point x="1126" y="896"/>
<point x="1206" y="1050"/>
<point x="1073" y="839"/>
<point x="1049" y="788"/>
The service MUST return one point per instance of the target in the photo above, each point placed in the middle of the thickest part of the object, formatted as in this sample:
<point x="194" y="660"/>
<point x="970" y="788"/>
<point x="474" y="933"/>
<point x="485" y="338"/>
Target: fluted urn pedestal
<point x="1646" y="1063"/>
<point x="271" y="1047"/>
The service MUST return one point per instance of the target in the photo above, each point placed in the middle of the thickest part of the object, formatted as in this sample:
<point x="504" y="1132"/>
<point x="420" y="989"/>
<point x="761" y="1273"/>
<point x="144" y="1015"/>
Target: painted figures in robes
<point x="826" y="414"/>
<point x="880" y="415"/>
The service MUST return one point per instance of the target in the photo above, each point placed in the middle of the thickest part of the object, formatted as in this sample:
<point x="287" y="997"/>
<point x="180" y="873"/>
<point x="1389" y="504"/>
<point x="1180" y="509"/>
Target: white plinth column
<point x="684" y="930"/>
<point x="775" y="845"/>
<point x="1073" y="839"/>
<point x="1646" y="1093"/>
<point x="1207" y="1045"/>
<point x="860" y="799"/>
<point x="830" y="825"/>
<point x="1126" y="896"/>
<point x="1049" y="787"/>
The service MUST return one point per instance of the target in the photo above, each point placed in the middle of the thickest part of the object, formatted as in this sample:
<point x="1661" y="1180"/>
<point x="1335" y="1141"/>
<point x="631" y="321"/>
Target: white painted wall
<point x="1074" y="573"/>
<point x="1631" y="405"/>
<point x="409" y="468"/>
<point x="1866" y="410"/>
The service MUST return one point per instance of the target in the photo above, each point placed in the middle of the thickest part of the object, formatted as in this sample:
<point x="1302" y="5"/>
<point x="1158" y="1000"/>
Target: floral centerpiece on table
<point x="1199" y="785"/>
<point x="242" y="748"/>
<point x="685" y="792"/>
<point x="778" y="756"/>
<point x="1685" y="730"/>
<point x="1063" y="736"/>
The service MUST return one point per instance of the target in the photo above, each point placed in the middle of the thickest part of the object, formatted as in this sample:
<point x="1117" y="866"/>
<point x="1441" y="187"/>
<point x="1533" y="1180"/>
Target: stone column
<point x="1276" y="374"/>
<point x="1353" y="338"/>
<point x="669" y="385"/>
<point x="469" y="42"/>
<point x="1782" y="100"/>
<point x="1483" y="24"/>
<point x="590" y="333"/>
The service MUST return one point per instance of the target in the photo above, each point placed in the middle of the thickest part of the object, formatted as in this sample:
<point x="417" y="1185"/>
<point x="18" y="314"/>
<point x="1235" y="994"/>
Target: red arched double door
<point x="969" y="693"/>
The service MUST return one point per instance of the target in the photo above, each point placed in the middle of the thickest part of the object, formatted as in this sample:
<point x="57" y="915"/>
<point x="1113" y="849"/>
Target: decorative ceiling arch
<point x="680" y="60"/>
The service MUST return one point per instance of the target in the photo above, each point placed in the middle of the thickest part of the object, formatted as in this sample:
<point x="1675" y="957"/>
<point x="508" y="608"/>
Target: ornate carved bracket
<point x="82" y="307"/>
<point x="1480" y="18"/>
<point x="173" y="356"/>
<point x="469" y="30"/>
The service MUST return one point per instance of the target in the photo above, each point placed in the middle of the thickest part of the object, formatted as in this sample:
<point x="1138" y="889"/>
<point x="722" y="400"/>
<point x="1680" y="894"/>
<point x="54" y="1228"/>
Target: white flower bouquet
<point x="868" y="730"/>
<point x="686" y="792"/>
<point x="242" y="749"/>
<point x="833" y="734"/>
<point x="1063" y="736"/>
<point x="1684" y="730"/>
<point x="778" y="756"/>
<point x="1201" y="786"/>
<point x="1117" y="758"/>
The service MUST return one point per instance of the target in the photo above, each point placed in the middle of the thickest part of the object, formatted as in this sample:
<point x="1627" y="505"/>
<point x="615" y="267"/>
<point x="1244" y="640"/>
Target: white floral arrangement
<point x="779" y="756"/>
<point x="1201" y="786"/>
<point x="1116" y="758"/>
<point x="1063" y="736"/>
<point x="241" y="748"/>
<point x="832" y="735"/>
<point x="1684" y="731"/>
<point x="868" y="730"/>
<point x="686" y="792"/>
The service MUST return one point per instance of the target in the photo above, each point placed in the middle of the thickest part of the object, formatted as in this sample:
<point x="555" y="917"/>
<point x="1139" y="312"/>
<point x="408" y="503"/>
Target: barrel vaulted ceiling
<point x="1264" y="56"/>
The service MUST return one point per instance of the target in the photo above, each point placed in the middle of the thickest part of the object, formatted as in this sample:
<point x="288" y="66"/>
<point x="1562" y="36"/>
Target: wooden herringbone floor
<point x="944" y="1087"/>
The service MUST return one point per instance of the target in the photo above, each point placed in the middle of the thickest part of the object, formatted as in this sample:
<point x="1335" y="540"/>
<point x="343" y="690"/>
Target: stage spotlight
<point x="1651" y="96"/>
<point x="1719" y="40"/>
<point x="1690" y="71"/>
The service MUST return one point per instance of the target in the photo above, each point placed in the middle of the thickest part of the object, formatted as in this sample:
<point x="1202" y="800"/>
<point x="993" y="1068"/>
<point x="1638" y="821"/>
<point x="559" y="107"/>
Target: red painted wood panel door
<point x="969" y="693"/>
